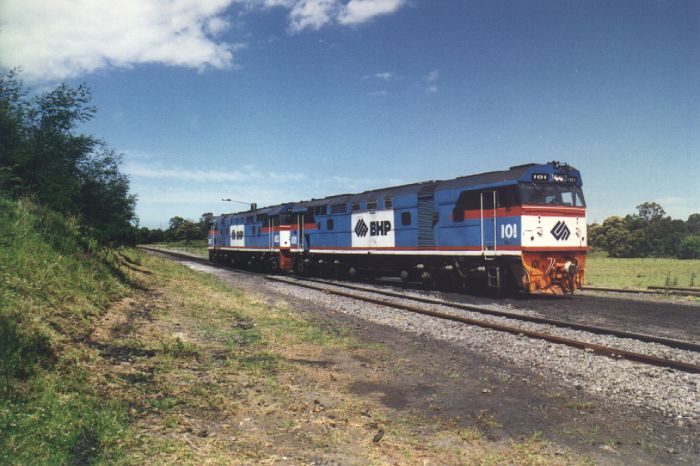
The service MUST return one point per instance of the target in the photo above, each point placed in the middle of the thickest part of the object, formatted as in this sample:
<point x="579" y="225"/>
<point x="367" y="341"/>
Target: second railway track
<point x="608" y="351"/>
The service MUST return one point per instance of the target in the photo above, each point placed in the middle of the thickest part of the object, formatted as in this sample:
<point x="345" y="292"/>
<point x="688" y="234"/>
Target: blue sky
<point x="276" y="100"/>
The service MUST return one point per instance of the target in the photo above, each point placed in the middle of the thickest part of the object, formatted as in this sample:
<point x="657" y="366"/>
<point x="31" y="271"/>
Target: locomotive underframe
<point x="533" y="272"/>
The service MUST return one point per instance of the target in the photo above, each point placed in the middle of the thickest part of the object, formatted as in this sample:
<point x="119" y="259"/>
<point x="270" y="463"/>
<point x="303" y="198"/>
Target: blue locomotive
<point x="520" y="228"/>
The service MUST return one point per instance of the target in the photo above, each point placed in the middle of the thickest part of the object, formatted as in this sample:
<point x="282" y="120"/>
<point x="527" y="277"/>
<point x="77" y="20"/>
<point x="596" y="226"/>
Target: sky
<point x="270" y="101"/>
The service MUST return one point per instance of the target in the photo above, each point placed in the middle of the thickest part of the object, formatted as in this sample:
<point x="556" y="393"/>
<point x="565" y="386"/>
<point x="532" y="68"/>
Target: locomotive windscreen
<point x="551" y="194"/>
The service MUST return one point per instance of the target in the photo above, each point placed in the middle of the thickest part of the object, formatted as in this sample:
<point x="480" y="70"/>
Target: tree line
<point x="648" y="233"/>
<point x="179" y="229"/>
<point x="44" y="157"/>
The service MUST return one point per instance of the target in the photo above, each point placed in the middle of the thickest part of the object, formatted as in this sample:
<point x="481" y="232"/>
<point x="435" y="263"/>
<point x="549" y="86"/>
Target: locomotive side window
<point x="329" y="224"/>
<point x="507" y="196"/>
<point x="468" y="200"/>
<point x="487" y="200"/>
<point x="339" y="208"/>
<point x="405" y="218"/>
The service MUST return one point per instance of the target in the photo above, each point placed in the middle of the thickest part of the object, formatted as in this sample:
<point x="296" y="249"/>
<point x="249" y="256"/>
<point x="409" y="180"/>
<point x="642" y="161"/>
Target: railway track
<point x="678" y="344"/>
<point x="655" y="290"/>
<point x="608" y="351"/>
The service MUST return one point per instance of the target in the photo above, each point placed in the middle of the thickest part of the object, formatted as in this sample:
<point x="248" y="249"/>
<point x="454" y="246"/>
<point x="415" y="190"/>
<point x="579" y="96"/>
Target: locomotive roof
<point x="512" y="175"/>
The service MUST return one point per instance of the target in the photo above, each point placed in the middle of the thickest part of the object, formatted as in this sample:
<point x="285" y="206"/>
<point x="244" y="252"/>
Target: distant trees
<point x="179" y="229"/>
<point x="43" y="156"/>
<point x="648" y="233"/>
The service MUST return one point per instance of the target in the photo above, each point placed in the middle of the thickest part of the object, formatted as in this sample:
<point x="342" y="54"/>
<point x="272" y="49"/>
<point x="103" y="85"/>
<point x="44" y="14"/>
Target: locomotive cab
<point x="553" y="225"/>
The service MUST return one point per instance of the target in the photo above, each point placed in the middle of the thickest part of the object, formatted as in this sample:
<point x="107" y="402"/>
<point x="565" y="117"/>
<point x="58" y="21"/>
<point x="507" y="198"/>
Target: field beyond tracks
<point x="640" y="273"/>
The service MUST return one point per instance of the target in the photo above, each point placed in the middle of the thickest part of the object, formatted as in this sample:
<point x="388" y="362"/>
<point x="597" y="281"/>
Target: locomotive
<point x="523" y="228"/>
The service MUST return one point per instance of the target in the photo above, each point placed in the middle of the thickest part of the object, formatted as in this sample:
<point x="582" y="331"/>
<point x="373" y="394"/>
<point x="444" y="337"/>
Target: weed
<point x="488" y="421"/>
<point x="170" y="422"/>
<point x="469" y="434"/>
<point x="179" y="348"/>
<point x="164" y="404"/>
<point x="580" y="405"/>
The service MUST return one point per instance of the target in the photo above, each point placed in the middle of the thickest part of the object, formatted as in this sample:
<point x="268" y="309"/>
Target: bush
<point x="689" y="247"/>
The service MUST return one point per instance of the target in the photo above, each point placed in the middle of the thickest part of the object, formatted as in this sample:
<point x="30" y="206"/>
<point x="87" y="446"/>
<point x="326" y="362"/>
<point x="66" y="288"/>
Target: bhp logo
<point x="560" y="231"/>
<point x="361" y="228"/>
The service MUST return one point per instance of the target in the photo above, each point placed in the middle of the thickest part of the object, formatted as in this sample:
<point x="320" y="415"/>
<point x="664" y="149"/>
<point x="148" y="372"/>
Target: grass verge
<point x="54" y="284"/>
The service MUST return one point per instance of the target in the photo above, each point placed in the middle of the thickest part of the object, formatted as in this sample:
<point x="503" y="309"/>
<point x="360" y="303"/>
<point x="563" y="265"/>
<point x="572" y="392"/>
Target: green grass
<point x="53" y="285"/>
<point x="640" y="273"/>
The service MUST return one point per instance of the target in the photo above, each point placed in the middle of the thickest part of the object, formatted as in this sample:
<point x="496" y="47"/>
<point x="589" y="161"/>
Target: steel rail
<point x="678" y="344"/>
<point x="599" y="349"/>
<point x="595" y="348"/>
<point x="656" y="290"/>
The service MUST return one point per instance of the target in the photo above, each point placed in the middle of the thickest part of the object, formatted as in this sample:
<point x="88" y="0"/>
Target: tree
<point x="188" y="231"/>
<point x="693" y="224"/>
<point x="596" y="239"/>
<point x="42" y="155"/>
<point x="650" y="211"/>
<point x="173" y="232"/>
<point x="617" y="238"/>
<point x="204" y="222"/>
<point x="689" y="247"/>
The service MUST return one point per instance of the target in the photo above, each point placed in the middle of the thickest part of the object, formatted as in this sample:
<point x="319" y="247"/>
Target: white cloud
<point x="58" y="39"/>
<point x="61" y="39"/>
<point x="360" y="11"/>
<point x="246" y="173"/>
<point x="431" y="82"/>
<point x="164" y="191"/>
<point x="312" y="14"/>
<point x="386" y="75"/>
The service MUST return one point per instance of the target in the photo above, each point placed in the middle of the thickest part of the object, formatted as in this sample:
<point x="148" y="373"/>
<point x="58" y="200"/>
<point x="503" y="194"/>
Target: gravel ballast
<point x="672" y="393"/>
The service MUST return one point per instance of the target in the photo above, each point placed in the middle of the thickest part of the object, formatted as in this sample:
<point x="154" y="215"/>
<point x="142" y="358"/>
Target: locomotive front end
<point x="554" y="235"/>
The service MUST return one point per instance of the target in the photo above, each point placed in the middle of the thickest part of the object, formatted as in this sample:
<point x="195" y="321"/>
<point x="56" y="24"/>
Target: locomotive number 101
<point x="509" y="230"/>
